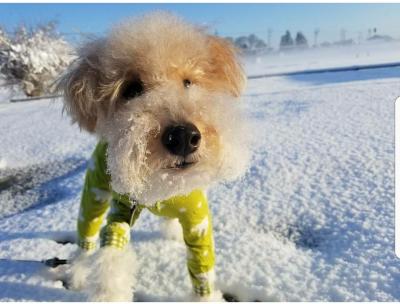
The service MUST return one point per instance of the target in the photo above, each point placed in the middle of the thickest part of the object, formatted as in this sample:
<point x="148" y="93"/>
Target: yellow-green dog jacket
<point x="191" y="210"/>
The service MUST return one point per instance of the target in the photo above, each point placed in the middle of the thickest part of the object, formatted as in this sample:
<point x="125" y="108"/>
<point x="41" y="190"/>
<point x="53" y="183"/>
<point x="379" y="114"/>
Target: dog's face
<point x="163" y="94"/>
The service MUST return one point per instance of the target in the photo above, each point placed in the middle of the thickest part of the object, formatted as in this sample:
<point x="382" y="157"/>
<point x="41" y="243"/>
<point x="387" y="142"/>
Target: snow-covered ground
<point x="323" y="58"/>
<point x="313" y="219"/>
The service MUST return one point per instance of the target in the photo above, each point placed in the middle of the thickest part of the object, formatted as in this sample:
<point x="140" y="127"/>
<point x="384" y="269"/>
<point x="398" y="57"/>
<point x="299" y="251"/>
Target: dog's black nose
<point x="182" y="139"/>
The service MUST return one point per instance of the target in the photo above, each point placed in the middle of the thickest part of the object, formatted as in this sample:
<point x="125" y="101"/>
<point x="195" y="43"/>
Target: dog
<point x="162" y="96"/>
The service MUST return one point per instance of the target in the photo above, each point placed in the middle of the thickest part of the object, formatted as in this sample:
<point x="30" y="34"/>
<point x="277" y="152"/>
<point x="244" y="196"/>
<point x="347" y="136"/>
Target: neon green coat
<point x="191" y="210"/>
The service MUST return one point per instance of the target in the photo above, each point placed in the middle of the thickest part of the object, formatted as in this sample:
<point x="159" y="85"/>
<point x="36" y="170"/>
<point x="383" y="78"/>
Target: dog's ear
<point x="80" y="85"/>
<point x="225" y="65"/>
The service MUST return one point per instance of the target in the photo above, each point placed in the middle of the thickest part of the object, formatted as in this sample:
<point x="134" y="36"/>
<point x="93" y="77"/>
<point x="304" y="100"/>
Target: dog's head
<point x="163" y="94"/>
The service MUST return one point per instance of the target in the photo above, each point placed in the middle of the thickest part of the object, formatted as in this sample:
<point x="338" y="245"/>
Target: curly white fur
<point x="159" y="53"/>
<point x="140" y="171"/>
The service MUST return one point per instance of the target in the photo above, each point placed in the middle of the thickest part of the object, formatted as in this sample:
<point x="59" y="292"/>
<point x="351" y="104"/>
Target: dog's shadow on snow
<point x="27" y="292"/>
<point x="38" y="185"/>
<point x="285" y="108"/>
<point x="61" y="237"/>
<point x="347" y="76"/>
<point x="145" y="236"/>
<point x="20" y="291"/>
<point x="69" y="237"/>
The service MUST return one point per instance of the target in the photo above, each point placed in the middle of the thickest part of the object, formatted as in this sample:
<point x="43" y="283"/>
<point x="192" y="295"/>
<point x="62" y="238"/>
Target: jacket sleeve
<point x="194" y="216"/>
<point x="95" y="199"/>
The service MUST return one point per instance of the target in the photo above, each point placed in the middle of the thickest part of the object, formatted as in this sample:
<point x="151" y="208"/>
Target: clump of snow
<point x="3" y="163"/>
<point x="171" y="229"/>
<point x="201" y="228"/>
<point x="323" y="58"/>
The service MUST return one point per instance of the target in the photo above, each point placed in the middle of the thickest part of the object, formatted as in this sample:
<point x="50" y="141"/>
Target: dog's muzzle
<point x="181" y="140"/>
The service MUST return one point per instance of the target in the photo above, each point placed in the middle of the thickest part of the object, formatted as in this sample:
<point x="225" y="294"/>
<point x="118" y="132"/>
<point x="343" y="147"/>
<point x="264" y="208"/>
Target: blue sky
<point x="226" y="19"/>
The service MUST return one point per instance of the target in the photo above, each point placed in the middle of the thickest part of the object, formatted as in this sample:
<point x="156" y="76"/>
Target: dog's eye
<point x="187" y="83"/>
<point x="133" y="89"/>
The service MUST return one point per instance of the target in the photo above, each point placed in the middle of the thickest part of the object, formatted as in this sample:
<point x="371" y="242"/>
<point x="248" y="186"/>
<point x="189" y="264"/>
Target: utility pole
<point x="269" y="37"/>
<point x="343" y="35"/>
<point x="316" y="33"/>
<point x="360" y="37"/>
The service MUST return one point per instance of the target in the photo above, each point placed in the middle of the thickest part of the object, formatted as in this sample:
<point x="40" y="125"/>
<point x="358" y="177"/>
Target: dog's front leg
<point x="94" y="204"/>
<point x="198" y="237"/>
<point x="195" y="218"/>
<point x="113" y="268"/>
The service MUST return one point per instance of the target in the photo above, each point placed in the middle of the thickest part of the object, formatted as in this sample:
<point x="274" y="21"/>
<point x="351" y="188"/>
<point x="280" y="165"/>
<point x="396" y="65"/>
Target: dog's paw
<point x="215" y="296"/>
<point x="77" y="272"/>
<point x="72" y="273"/>
<point x="112" y="275"/>
<point x="57" y="274"/>
<point x="172" y="229"/>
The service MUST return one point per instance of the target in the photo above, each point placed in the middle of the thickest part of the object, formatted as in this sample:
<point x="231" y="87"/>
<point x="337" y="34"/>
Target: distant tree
<point x="34" y="58"/>
<point x="250" y="44"/>
<point x="326" y="44"/>
<point x="230" y="39"/>
<point x="252" y="39"/>
<point x="301" y="41"/>
<point x="242" y="42"/>
<point x="286" y="41"/>
<point x="259" y="44"/>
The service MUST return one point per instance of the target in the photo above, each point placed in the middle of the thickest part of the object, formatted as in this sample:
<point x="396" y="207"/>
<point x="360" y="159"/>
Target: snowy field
<point x="323" y="58"/>
<point x="313" y="219"/>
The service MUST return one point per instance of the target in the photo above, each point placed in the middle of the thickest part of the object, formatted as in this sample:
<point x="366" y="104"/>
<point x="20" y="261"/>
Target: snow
<point x="338" y="56"/>
<point x="312" y="220"/>
<point x="201" y="228"/>
<point x="3" y="164"/>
